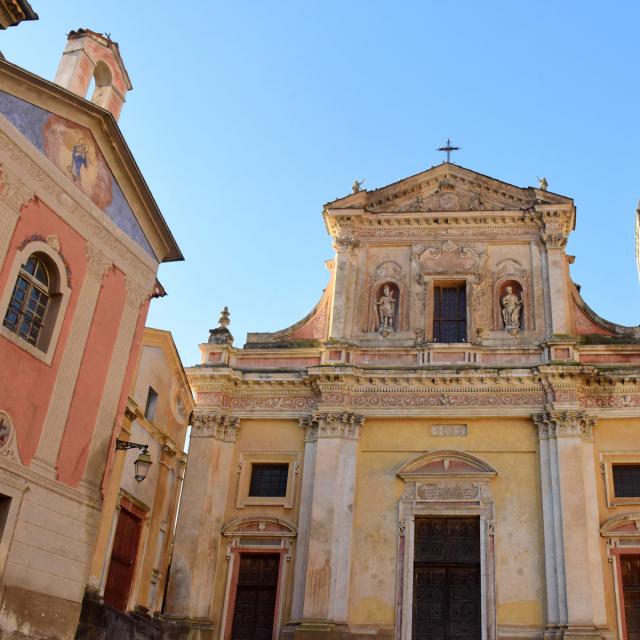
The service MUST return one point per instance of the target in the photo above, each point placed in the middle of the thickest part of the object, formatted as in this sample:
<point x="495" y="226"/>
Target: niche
<point x="386" y="308"/>
<point x="510" y="307"/>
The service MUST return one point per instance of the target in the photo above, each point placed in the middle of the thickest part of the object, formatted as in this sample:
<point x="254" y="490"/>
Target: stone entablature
<point x="429" y="391"/>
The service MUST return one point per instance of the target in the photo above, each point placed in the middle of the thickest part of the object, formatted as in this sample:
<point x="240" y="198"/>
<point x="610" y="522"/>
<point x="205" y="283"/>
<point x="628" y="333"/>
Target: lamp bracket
<point x="124" y="445"/>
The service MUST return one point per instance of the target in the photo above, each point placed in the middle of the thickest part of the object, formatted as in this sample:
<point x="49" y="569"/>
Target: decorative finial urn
<point x="224" y="319"/>
<point x="221" y="334"/>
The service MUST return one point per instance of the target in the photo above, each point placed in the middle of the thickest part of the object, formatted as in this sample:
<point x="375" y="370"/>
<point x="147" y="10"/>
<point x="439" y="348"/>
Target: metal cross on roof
<point x="448" y="147"/>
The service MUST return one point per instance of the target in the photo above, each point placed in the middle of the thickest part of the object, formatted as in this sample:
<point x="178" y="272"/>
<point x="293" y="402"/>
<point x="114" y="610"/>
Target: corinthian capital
<point x="137" y="292"/>
<point x="97" y="263"/>
<point x="332" y="425"/>
<point x="14" y="191"/>
<point x="345" y="243"/>
<point x="564" y="424"/>
<point x="210" y="424"/>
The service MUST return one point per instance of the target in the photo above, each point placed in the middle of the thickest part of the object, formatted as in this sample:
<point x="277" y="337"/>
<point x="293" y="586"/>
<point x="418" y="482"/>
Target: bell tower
<point x="89" y="55"/>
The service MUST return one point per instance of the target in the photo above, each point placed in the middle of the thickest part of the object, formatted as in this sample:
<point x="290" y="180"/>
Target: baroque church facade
<point x="447" y="447"/>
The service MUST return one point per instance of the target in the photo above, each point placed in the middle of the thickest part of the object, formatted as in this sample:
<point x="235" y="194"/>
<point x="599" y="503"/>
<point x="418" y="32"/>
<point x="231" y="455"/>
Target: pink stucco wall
<point x="127" y="386"/>
<point x="91" y="379"/>
<point x="20" y="371"/>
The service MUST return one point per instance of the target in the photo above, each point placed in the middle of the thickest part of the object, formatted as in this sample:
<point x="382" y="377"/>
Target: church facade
<point x="446" y="447"/>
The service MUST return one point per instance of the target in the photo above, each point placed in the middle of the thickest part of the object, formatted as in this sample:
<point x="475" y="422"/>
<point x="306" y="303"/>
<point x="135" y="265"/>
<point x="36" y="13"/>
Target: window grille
<point x="626" y="480"/>
<point x="269" y="480"/>
<point x="450" y="313"/>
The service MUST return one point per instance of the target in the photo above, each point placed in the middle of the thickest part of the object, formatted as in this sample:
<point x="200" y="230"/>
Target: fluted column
<point x="574" y="575"/>
<point x="323" y="554"/>
<point x="204" y="499"/>
<point x="56" y="419"/>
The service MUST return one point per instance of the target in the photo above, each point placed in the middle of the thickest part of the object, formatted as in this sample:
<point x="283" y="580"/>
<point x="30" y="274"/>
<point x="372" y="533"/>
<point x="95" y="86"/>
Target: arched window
<point x="31" y="298"/>
<point x="34" y="299"/>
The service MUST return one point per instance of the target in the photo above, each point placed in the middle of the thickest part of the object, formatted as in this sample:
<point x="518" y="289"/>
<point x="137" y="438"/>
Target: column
<point x="326" y="530"/>
<point x="575" y="587"/>
<point x="56" y="419"/>
<point x="304" y="518"/>
<point x="137" y="294"/>
<point x="197" y="549"/>
<point x="15" y="194"/>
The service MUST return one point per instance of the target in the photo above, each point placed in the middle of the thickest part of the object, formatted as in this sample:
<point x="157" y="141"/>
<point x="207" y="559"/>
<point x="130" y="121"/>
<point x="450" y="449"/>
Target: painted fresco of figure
<point x="386" y="305"/>
<point x="78" y="159"/>
<point x="511" y="309"/>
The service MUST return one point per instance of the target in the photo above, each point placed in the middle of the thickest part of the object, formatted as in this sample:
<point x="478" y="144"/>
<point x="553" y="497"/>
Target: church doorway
<point x="630" y="565"/>
<point x="255" y="597"/>
<point x="446" y="579"/>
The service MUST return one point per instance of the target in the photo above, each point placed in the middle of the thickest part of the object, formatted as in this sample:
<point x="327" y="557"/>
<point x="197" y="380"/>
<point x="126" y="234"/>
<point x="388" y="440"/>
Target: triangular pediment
<point x="448" y="187"/>
<point x="83" y="144"/>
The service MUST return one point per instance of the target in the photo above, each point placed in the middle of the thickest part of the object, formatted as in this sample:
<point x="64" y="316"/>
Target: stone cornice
<point x="420" y="391"/>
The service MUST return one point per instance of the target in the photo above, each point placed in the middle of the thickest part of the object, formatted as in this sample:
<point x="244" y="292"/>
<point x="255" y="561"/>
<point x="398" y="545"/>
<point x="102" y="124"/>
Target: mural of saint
<point x="73" y="150"/>
<point x="78" y="159"/>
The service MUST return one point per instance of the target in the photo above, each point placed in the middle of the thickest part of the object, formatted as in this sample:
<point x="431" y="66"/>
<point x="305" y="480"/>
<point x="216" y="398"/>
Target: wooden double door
<point x="255" y="600"/>
<point x="446" y="579"/>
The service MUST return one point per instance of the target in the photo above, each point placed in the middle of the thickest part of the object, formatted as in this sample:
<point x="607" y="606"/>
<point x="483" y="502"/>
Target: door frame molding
<point x="446" y="483"/>
<point x="246" y="536"/>
<point x="622" y="533"/>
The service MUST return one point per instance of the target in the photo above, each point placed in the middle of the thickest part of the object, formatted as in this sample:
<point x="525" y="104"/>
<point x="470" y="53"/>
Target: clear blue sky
<point x="247" y="116"/>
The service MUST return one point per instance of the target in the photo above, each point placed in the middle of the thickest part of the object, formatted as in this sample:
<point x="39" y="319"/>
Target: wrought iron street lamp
<point x="142" y="462"/>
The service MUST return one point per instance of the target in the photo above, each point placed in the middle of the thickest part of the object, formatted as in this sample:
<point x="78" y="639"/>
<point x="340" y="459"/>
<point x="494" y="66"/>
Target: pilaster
<point x="553" y="234"/>
<point x="56" y="419"/>
<point x="101" y="555"/>
<point x="196" y="555"/>
<point x="575" y="588"/>
<point x="321" y="581"/>
<point x="345" y="281"/>
<point x="136" y="294"/>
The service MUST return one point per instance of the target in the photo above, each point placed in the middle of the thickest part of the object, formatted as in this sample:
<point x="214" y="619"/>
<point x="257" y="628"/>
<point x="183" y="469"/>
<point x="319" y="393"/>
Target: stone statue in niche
<point x="511" y="309"/>
<point x="386" y="306"/>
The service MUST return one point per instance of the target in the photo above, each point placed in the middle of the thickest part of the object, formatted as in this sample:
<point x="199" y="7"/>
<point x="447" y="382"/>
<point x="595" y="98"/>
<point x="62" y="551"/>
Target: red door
<point x="631" y="589"/>
<point x="123" y="559"/>
<point x="255" y="606"/>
